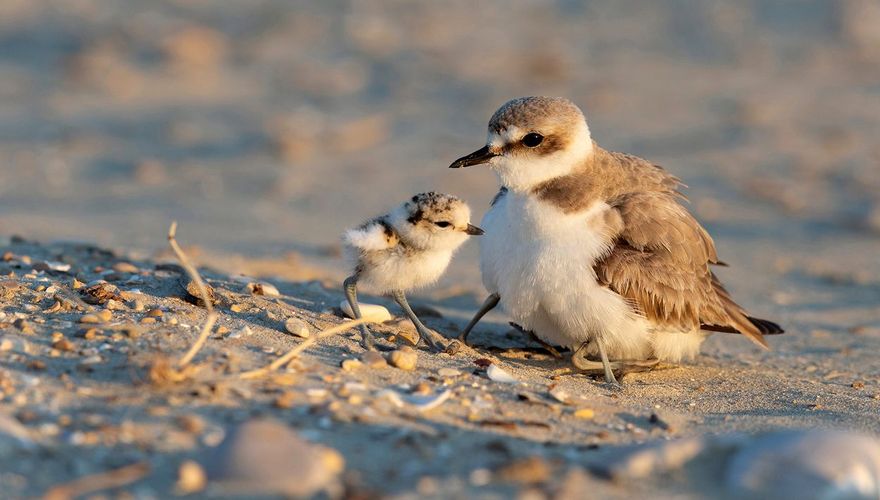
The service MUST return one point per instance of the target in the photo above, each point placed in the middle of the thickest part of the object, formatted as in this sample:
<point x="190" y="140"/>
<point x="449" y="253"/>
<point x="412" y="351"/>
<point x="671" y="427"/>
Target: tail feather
<point x="766" y="327"/>
<point x="763" y="326"/>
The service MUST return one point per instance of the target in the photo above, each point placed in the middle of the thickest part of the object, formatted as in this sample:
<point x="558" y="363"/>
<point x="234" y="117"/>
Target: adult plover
<point x="591" y="249"/>
<point x="408" y="248"/>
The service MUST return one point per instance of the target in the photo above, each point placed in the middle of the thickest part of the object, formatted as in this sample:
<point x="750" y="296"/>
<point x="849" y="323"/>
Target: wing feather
<point x="660" y="262"/>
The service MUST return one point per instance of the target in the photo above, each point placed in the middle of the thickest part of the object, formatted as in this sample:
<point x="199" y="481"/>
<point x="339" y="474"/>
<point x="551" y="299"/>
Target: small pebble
<point x="297" y="327"/>
<point x="24" y="326"/>
<point x="125" y="267"/>
<point x="266" y="289"/>
<point x="63" y="344"/>
<point x="585" y="413"/>
<point x="285" y="401"/>
<point x="190" y="478"/>
<point x="194" y="294"/>
<point x="448" y="372"/>
<point x="373" y="359"/>
<point x="87" y="333"/>
<point x="156" y="313"/>
<point x="531" y="470"/>
<point x="89" y="319"/>
<point x="191" y="423"/>
<point x="404" y="358"/>
<point x="100" y="292"/>
<point x="266" y="457"/>
<point x="351" y="365"/>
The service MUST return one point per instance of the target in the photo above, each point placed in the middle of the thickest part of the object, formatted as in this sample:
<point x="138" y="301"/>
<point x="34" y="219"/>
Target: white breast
<point x="398" y="270"/>
<point x="540" y="261"/>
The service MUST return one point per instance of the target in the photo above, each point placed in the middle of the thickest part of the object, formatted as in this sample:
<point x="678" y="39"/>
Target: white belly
<point x="397" y="270"/>
<point x="540" y="261"/>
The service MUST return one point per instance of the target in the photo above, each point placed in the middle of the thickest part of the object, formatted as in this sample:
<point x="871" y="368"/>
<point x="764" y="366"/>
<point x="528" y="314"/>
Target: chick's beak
<point x="473" y="230"/>
<point x="478" y="157"/>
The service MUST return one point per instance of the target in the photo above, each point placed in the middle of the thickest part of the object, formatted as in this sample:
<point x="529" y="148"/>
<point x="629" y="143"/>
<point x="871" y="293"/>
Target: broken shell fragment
<point x="496" y="373"/>
<point x="420" y="402"/>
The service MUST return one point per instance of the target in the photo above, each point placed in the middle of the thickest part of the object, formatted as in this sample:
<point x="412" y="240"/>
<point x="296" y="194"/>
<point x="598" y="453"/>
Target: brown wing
<point x="660" y="262"/>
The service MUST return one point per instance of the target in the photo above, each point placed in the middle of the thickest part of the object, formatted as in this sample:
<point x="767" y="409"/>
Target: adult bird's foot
<point x="620" y="367"/>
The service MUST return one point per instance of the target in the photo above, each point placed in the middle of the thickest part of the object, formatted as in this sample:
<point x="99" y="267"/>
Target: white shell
<point x="560" y="395"/>
<point x="373" y="312"/>
<point x="499" y="375"/>
<point x="58" y="266"/>
<point x="419" y="402"/>
<point x="243" y="332"/>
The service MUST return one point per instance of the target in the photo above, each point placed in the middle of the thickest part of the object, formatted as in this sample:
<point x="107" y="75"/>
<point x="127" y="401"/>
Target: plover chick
<point x="405" y="249"/>
<point x="592" y="249"/>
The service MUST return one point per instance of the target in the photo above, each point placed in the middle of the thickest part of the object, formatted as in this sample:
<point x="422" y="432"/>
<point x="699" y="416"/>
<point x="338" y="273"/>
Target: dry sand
<point x="119" y="117"/>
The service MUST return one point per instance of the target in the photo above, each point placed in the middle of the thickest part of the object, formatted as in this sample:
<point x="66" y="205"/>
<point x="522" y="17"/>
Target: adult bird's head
<point x="532" y="140"/>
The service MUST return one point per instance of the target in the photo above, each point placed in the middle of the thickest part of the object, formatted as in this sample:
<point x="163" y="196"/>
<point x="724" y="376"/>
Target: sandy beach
<point x="266" y="128"/>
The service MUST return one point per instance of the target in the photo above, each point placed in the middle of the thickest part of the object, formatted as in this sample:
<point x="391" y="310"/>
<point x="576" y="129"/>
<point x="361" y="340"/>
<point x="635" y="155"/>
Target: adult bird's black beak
<point x="473" y="230"/>
<point x="478" y="157"/>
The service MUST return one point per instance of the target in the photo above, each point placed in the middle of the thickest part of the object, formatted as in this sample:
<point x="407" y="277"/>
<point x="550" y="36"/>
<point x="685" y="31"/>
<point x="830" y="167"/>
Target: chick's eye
<point x="532" y="140"/>
<point x="442" y="223"/>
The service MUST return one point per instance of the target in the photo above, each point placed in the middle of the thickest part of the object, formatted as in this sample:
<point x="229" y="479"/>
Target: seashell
<point x="560" y="395"/>
<point x="262" y="288"/>
<point x="243" y="332"/>
<point x="420" y="402"/>
<point x="497" y="374"/>
<point x="373" y="312"/>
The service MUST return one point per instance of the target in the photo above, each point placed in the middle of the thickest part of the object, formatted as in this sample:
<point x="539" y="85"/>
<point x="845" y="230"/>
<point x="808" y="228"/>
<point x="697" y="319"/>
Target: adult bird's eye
<point x="532" y="140"/>
<point x="442" y="223"/>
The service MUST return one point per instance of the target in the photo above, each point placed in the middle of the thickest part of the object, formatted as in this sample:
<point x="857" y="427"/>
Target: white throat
<point x="521" y="172"/>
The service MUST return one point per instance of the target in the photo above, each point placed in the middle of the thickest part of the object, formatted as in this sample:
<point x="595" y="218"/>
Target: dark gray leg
<point x="432" y="338"/>
<point x="490" y="303"/>
<point x="532" y="336"/>
<point x="350" y="285"/>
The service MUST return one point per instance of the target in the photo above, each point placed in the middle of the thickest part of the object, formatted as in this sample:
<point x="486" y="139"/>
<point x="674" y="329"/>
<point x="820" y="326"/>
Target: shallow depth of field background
<point x="266" y="127"/>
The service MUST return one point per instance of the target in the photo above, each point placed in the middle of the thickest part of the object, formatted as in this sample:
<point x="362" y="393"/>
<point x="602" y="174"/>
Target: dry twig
<point x="289" y="355"/>
<point x="101" y="481"/>
<point x="203" y="291"/>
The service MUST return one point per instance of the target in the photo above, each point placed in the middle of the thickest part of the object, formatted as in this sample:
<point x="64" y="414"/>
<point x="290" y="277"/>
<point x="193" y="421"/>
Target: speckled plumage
<point x="405" y="249"/>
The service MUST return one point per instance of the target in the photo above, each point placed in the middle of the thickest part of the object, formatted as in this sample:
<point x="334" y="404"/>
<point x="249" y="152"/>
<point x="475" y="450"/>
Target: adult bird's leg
<point x="432" y="338"/>
<point x="488" y="304"/>
<point x="350" y="285"/>
<point x="624" y="366"/>
<point x="609" y="375"/>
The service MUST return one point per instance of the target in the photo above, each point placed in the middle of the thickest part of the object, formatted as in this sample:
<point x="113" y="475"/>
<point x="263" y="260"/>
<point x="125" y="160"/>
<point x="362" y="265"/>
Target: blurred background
<point x="268" y="126"/>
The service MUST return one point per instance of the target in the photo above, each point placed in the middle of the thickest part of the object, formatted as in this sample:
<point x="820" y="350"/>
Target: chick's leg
<point x="432" y="338"/>
<point x="350" y="285"/>
<point x="490" y="303"/>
